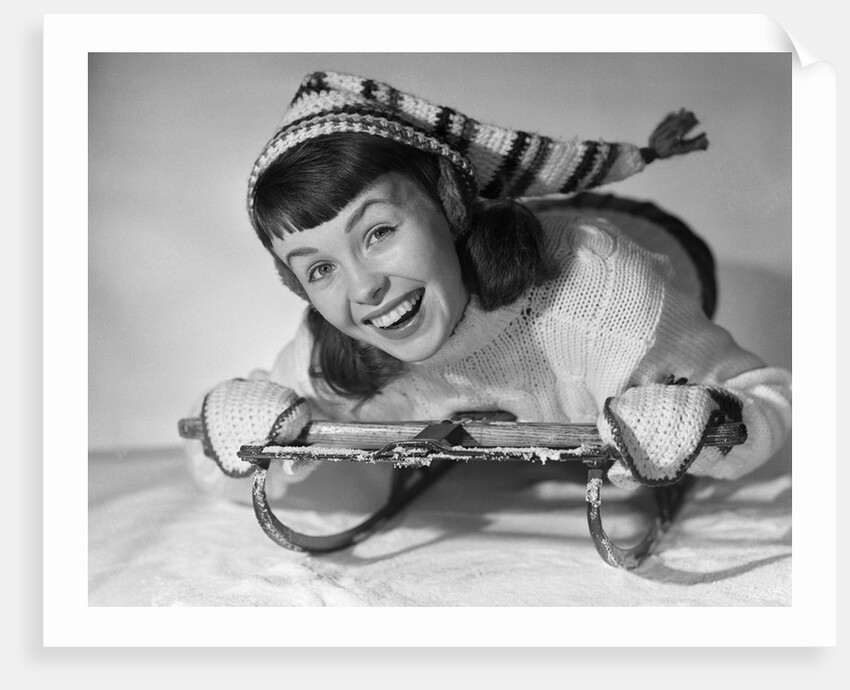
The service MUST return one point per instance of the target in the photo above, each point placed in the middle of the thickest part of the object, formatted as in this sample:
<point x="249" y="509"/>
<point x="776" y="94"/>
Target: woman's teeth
<point x="393" y="317"/>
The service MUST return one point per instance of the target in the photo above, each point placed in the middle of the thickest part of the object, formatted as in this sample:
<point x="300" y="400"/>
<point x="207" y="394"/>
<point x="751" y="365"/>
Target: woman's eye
<point x="379" y="233"/>
<point x="318" y="272"/>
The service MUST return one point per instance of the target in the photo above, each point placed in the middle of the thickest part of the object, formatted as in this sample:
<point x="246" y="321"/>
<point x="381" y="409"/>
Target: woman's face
<point x="383" y="271"/>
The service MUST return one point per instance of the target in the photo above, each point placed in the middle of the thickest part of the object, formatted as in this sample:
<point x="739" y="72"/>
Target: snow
<point x="486" y="534"/>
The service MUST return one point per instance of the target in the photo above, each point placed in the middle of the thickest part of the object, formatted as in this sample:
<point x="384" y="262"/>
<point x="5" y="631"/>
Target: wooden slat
<point x="370" y="436"/>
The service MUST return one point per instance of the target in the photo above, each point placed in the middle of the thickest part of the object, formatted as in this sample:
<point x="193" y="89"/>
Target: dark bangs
<point x="310" y="184"/>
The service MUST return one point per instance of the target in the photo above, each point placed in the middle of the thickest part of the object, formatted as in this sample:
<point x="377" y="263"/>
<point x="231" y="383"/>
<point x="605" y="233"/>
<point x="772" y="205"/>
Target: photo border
<point x="68" y="621"/>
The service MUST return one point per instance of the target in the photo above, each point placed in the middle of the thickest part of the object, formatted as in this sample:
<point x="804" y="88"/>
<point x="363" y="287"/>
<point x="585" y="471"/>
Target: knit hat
<point x="491" y="161"/>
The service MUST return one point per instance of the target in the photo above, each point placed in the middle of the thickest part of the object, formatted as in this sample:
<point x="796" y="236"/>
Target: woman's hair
<point x="499" y="242"/>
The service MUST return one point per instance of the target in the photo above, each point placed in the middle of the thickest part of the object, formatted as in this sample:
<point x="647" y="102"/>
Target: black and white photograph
<point x="440" y="329"/>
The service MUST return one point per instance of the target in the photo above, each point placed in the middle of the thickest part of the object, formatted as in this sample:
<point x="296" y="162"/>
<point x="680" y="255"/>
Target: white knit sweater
<point x="623" y="310"/>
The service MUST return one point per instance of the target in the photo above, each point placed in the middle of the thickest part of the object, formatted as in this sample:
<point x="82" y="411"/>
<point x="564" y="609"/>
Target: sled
<point x="422" y="452"/>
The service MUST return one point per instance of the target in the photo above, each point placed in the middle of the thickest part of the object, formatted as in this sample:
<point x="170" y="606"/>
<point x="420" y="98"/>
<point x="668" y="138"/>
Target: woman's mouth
<point x="401" y="314"/>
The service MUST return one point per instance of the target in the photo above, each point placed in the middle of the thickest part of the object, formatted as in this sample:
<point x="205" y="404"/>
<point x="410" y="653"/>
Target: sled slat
<point x="371" y="436"/>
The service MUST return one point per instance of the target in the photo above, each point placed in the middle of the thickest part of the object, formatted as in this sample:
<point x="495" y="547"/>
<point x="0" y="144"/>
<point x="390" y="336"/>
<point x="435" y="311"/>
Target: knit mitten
<point x="249" y="412"/>
<point x="658" y="431"/>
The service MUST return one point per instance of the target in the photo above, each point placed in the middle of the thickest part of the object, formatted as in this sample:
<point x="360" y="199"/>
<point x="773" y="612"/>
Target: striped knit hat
<point x="492" y="160"/>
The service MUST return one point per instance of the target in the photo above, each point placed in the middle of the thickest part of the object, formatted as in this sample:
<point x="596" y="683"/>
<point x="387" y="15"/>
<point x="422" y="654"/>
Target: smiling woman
<point x="433" y="289"/>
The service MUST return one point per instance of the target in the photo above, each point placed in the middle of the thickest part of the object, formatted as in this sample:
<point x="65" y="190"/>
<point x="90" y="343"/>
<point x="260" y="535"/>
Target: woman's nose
<point x="368" y="287"/>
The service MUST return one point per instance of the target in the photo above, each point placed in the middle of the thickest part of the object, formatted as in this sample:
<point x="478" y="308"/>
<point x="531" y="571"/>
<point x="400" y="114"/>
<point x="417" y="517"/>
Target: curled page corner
<point x="802" y="53"/>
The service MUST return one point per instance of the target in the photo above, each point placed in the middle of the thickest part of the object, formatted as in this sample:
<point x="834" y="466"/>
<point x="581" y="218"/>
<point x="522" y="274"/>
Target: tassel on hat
<point x="668" y="138"/>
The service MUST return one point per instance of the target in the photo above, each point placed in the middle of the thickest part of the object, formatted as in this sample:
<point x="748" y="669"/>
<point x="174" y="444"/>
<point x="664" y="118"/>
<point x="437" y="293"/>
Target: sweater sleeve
<point x="626" y="324"/>
<point x="687" y="344"/>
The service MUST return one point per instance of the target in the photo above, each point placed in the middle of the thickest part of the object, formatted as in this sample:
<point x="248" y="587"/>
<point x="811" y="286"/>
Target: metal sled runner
<point x="422" y="452"/>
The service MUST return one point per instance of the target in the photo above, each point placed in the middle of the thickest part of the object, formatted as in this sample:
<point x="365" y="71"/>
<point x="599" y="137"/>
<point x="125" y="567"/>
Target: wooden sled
<point x="423" y="452"/>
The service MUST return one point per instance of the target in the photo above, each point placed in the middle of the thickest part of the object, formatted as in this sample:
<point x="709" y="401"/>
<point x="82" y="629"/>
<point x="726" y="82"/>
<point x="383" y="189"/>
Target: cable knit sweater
<point x="623" y="310"/>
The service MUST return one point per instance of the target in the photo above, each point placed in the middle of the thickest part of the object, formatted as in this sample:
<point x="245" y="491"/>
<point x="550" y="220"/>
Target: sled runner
<point x="423" y="452"/>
